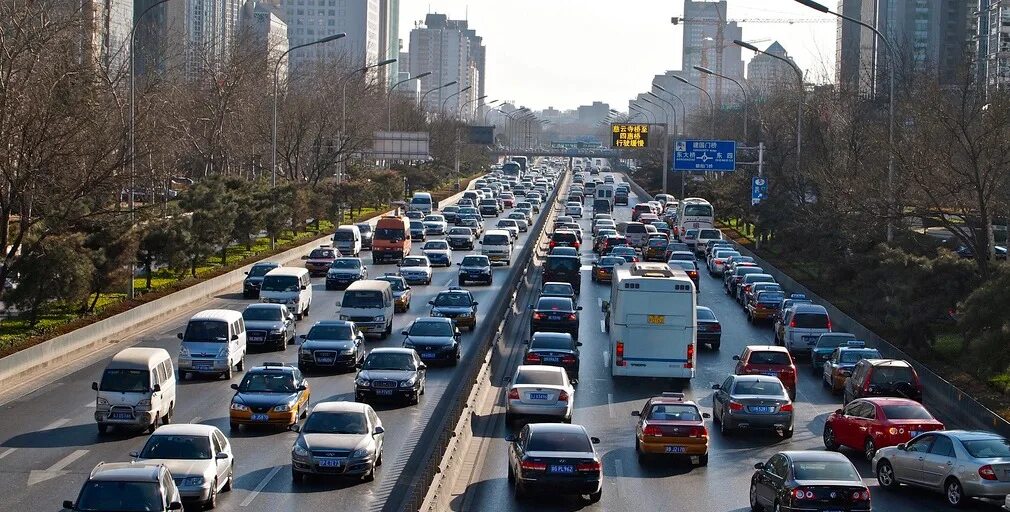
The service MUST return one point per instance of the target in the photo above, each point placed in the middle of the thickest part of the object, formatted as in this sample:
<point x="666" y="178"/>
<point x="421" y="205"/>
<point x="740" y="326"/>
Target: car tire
<point x="103" y="429"/>
<point x="715" y="346"/>
<point x="296" y="476"/>
<point x="724" y="428"/>
<point x="389" y="330"/>
<point x="511" y="475"/>
<point x="828" y="436"/>
<point x="369" y="476"/>
<point x="869" y="449"/>
<point x="240" y="365"/>
<point x="885" y="476"/>
<point x="703" y="460"/>
<point x="755" y="505"/>
<point x="228" y="373"/>
<point x="234" y="427"/>
<point x="212" y="500"/>
<point x="788" y="434"/>
<point x="596" y="496"/>
<point x="229" y="483"/>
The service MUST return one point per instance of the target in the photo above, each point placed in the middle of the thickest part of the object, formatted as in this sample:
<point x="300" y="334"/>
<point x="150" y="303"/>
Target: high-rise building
<point x="594" y="113"/>
<point x="389" y="40"/>
<point x="359" y="19"/>
<point x="190" y="34"/>
<point x="107" y="25"/>
<point x="854" y="48"/>
<point x="268" y="35"/>
<point x="767" y="74"/>
<point x="997" y="44"/>
<point x="451" y="51"/>
<point x="708" y="42"/>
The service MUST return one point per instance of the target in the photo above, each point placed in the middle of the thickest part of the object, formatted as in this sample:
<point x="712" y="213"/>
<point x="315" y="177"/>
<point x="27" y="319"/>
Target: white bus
<point x="694" y="213"/>
<point x="652" y="322"/>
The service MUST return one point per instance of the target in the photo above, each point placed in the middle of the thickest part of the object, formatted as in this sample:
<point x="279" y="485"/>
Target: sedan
<point x="603" y="268"/>
<point x="554" y="349"/>
<point x="673" y="426"/>
<point x="559" y="459"/>
<point x="555" y="314"/>
<point x="417" y="231"/>
<point x="475" y="268"/>
<point x="540" y="391"/>
<point x="331" y="344"/>
<point x="573" y="209"/>
<point x="709" y="329"/>
<point x="434" y="224"/>
<point x="623" y="251"/>
<point x="438" y="252"/>
<point x="339" y="439"/>
<point x="808" y="480"/>
<point x="690" y="268"/>
<point x="868" y="424"/>
<point x="509" y="225"/>
<point x="434" y="339"/>
<point x="198" y="456"/>
<point x="520" y="220"/>
<point x="344" y="271"/>
<point x="752" y="402"/>
<point x="556" y="289"/>
<point x="390" y="373"/>
<point x="416" y="269"/>
<point x="472" y="223"/>
<point x="269" y="325"/>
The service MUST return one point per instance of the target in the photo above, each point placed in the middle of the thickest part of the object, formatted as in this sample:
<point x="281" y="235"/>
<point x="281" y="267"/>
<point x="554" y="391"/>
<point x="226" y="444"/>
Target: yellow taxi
<point x="275" y="394"/>
<point x="401" y="292"/>
<point x="671" y="425"/>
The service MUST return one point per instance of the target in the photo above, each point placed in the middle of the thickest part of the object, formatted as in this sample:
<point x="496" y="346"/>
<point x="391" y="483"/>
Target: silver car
<point x="541" y="391"/>
<point x="752" y="402"/>
<point x="338" y="438"/>
<point x="198" y="456"/>
<point x="959" y="463"/>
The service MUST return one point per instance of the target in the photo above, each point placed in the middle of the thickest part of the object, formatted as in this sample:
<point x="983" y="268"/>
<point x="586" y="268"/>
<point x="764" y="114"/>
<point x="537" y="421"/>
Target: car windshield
<point x="906" y="412"/>
<point x="476" y="261"/>
<point x="539" y="377"/>
<point x="673" y="412"/>
<point x="770" y="297"/>
<point x="176" y="447"/>
<point x="759" y="387"/>
<point x="769" y="357"/>
<point x="396" y="284"/>
<point x="268" y="382"/>
<point x="452" y="299"/>
<point x="551" y="342"/>
<point x="436" y="245"/>
<point x="206" y="331"/>
<point x="682" y="256"/>
<point x="705" y="314"/>
<point x="564" y="251"/>
<point x="743" y="271"/>
<point x="343" y="235"/>
<point x="125" y="381"/>
<point x="389" y="361"/>
<point x="554" y="304"/>
<point x="709" y="233"/>
<point x="854" y="356"/>
<point x="987" y="448"/>
<point x="563" y="264"/>
<point x="319" y="254"/>
<point x="811" y="321"/>
<point x="262" y="314"/>
<point x="105" y="495"/>
<point x="658" y="243"/>
<point x="346" y="263"/>
<point x="330" y="332"/>
<point x="362" y="299"/>
<point x="260" y="270"/>
<point x="559" y="442"/>
<point x="825" y="470"/>
<point x="496" y="239"/>
<point x="610" y="261"/>
<point x="726" y="254"/>
<point x="891" y="375"/>
<point x="326" y="422"/>
<point x="561" y="289"/>
<point x="697" y="210"/>
<point x="434" y="218"/>
<point x="416" y="224"/>
<point x="280" y="284"/>
<point x="677" y="246"/>
<point x="460" y="231"/>
<point x="833" y="340"/>
<point x="624" y="251"/>
<point x="683" y="264"/>
<point x="389" y="234"/>
<point x="415" y="262"/>
<point x="431" y="329"/>
<point x="365" y="228"/>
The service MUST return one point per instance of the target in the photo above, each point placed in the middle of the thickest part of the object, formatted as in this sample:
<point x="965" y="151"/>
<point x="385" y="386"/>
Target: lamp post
<point x="650" y="115"/>
<point x="799" y="103"/>
<point x="488" y="110"/>
<point x="683" y="108"/>
<point x="666" y="138"/>
<point x="746" y="97"/>
<point x="449" y="97"/>
<point x="711" y="104"/>
<point x="433" y="89"/>
<point x="343" y="93"/>
<point x="389" y="95"/>
<point x="890" y="101"/>
<point x="459" y="113"/>
<point x="273" y="136"/>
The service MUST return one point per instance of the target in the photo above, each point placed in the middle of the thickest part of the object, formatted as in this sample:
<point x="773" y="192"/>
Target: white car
<point x="438" y="252"/>
<point x="521" y="221"/>
<point x="461" y="238"/>
<point x="717" y="263"/>
<point x="434" y="224"/>
<point x="603" y="224"/>
<point x="539" y="390"/>
<point x="415" y="270"/>
<point x="510" y="225"/>
<point x="573" y="209"/>
<point x="198" y="456"/>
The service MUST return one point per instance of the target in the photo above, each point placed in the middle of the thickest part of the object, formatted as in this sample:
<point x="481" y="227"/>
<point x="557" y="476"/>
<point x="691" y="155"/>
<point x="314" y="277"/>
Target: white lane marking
<point x="599" y="302"/>
<point x="56" y="469"/>
<point x="610" y="404"/>
<point x="606" y="358"/>
<point x="619" y="471"/>
<point x="196" y="419"/>
<point x="603" y="326"/>
<point x="7" y="452"/>
<point x="90" y="404"/>
<point x="56" y="424"/>
<point x="259" y="487"/>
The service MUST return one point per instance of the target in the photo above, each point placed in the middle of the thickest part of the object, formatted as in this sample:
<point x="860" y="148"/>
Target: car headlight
<point x="359" y="453"/>
<point x="102" y="401"/>
<point x="409" y="382"/>
<point x="300" y="450"/>
<point x="222" y="353"/>
<point x="380" y="318"/>
<point x="183" y="351"/>
<point x="305" y="351"/>
<point x="347" y="351"/>
<point x="283" y="408"/>
<point x="193" y="481"/>
<point x="436" y="313"/>
<point x="144" y="404"/>
<point x="345" y="317"/>
<point x="362" y="382"/>
<point x="276" y="331"/>
<point x="238" y="407"/>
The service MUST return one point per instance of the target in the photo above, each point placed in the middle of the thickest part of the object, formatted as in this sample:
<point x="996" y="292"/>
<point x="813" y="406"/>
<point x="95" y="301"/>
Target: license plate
<point x="676" y="449"/>
<point x="260" y="417"/>
<point x="384" y="392"/>
<point x="427" y="355"/>
<point x="554" y="317"/>
<point x="657" y="319"/>
<point x="810" y="339"/>
<point x="562" y="469"/>
<point x="761" y="409"/>
<point x="121" y="416"/>
<point x="551" y="359"/>
<point x="255" y="338"/>
<point x="324" y="360"/>
<point x="203" y="366"/>
<point x="331" y="463"/>
<point x="538" y="396"/>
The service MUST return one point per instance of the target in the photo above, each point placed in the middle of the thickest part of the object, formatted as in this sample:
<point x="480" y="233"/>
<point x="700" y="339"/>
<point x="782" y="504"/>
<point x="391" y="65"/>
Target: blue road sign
<point x="705" y="155"/>
<point x="758" y="189"/>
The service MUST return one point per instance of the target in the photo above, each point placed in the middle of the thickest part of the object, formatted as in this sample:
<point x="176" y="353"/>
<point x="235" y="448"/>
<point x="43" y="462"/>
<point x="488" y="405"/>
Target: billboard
<point x="401" y="146"/>
<point x="483" y="135"/>
<point x="629" y="136"/>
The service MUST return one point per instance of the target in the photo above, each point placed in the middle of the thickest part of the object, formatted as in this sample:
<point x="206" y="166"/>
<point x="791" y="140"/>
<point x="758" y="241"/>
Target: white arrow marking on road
<point x="56" y="470"/>
<point x="259" y="487"/>
<point x="7" y="452"/>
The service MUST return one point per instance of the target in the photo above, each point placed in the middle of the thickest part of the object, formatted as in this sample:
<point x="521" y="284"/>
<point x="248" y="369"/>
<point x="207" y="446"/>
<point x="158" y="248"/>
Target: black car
<point x="554" y="349"/>
<point x="390" y="374"/>
<point x="709" y="329"/>
<point x="268" y="326"/>
<point x="366" y="235"/>
<point x="808" y="480"/>
<point x="344" y="271"/>
<point x="456" y="304"/>
<point x="434" y="339"/>
<point x="621" y="197"/>
<point x="475" y="268"/>
<point x="556" y="458"/>
<point x="555" y="314"/>
<point x="564" y="269"/>
<point x="450" y="212"/>
<point x="254" y="279"/>
<point x="550" y="289"/>
<point x="331" y="344"/>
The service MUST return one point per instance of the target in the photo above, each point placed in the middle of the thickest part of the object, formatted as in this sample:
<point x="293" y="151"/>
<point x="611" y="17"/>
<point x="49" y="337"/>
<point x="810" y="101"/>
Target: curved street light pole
<point x="447" y="98"/>
<point x="433" y="89"/>
<point x="488" y="109"/>
<point x="683" y="107"/>
<point x="711" y="104"/>
<point x="389" y="96"/>
<point x="746" y="97"/>
<point x="343" y="94"/>
<point x="799" y="105"/>
<point x="666" y="139"/>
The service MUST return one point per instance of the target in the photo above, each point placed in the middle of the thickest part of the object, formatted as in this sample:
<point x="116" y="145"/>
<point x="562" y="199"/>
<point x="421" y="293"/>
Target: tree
<point x="214" y="215"/>
<point x="249" y="214"/>
<point x="111" y="247"/>
<point x="164" y="242"/>
<point x="56" y="271"/>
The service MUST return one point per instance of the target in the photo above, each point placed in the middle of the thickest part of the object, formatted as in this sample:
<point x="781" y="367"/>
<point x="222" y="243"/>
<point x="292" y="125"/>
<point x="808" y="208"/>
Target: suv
<point x="563" y="238"/>
<point x="565" y="269"/>
<point x="128" y="486"/>
<point x="882" y="377"/>
<point x="475" y="268"/>
<point x="803" y="325"/>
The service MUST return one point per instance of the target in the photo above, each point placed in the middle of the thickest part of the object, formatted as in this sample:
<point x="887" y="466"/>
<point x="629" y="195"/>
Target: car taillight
<point x="792" y="323"/>
<point x="746" y="288"/>
<point x="619" y="354"/>
<point x="987" y="472"/>
<point x="735" y="406"/>
<point x="563" y="396"/>
<point x="716" y="327"/>
<point x="717" y="261"/>
<point x="532" y="358"/>
<point x="802" y="494"/>
<point x="895" y="431"/>
<point x="863" y="495"/>
<point x="528" y="465"/>
<point x="652" y="430"/>
<point x="513" y="394"/>
<point x="593" y="466"/>
<point x="829" y="324"/>
<point x="698" y="431"/>
<point x="786" y="408"/>
<point x="692" y="273"/>
<point x="746" y="368"/>
<point x="571" y="316"/>
<point x="568" y="359"/>
<point x="576" y="245"/>
<point x="537" y="316"/>
<point x="690" y="356"/>
<point x="552" y="244"/>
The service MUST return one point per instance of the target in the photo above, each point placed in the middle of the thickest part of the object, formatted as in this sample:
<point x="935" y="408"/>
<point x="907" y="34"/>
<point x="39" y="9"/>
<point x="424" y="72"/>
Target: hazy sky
<point x="565" y="53"/>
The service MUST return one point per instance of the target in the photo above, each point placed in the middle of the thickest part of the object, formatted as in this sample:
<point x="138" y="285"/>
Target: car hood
<point x="254" y="279"/>
<point x="439" y="252"/>
<point x="184" y="468"/>
<point x="385" y="374"/>
<point x="264" y="325"/>
<point x="327" y="344"/>
<point x="452" y="309"/>
<point x="319" y="261"/>
<point x="431" y="341"/>
<point x="335" y="441"/>
<point x="476" y="269"/>
<point x="343" y="272"/>
<point x="264" y="399"/>
<point x="415" y="269"/>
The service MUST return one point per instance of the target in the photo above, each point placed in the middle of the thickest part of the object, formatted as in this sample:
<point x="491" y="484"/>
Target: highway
<point x="603" y="405"/>
<point x="49" y="442"/>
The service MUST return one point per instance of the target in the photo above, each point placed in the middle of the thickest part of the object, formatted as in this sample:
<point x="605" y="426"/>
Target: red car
<point x="869" y="424"/>
<point x="770" y="360"/>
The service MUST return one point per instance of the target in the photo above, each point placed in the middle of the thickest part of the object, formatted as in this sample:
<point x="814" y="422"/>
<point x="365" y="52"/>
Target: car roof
<point x="970" y="435"/>
<point x="558" y="428"/>
<point x="813" y="455"/>
<point x="272" y="368"/>
<point x="138" y="357"/>
<point x="767" y="348"/>
<point x="432" y="320"/>
<point x="224" y="315"/>
<point x="804" y="307"/>
<point x="391" y="350"/>
<point x="322" y="323"/>
<point x="272" y="264"/>
<point x="339" y="407"/>
<point x="369" y="284"/>
<point x="889" y="362"/>
<point x="539" y="335"/>
<point x="185" y="429"/>
<point x="127" y="471"/>
<point x="756" y="378"/>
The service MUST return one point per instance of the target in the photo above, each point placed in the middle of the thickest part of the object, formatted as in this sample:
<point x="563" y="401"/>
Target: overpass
<point x="564" y="152"/>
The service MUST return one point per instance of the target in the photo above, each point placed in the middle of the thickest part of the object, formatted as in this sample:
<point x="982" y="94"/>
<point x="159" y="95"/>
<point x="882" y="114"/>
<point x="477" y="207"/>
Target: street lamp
<point x="459" y="113"/>
<point x="799" y="106"/>
<point x="711" y="103"/>
<point x="343" y="93"/>
<point x="273" y="136"/>
<point x="447" y="98"/>
<point x="666" y="137"/>
<point x="433" y="89"/>
<point x="890" y="102"/>
<point x="683" y="107"/>
<point x="389" y="95"/>
<point x="650" y="117"/>
<point x="489" y="109"/>
<point x="673" y="108"/>
<point x="746" y="97"/>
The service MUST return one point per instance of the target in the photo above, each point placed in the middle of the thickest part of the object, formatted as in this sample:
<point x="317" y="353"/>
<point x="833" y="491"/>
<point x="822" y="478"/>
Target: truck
<point x="391" y="239"/>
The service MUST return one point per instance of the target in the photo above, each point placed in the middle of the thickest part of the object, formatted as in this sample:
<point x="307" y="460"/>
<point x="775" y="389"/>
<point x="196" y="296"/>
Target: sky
<point x="566" y="53"/>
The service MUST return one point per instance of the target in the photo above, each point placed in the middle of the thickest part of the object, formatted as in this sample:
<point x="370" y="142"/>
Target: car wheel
<point x="787" y="434"/>
<point x="296" y="476"/>
<point x="369" y="476"/>
<point x="869" y="449"/>
<point x="512" y="475"/>
<point x="828" y="436"/>
<point x="103" y="429"/>
<point x="885" y="475"/>
<point x="715" y="346"/>
<point x="596" y="496"/>
<point x="212" y="501"/>
<point x="231" y="480"/>
<point x="518" y="491"/>
<point x="724" y="427"/>
<point x="240" y="365"/>
<point x="954" y="493"/>
<point x="755" y="505"/>
<point x="703" y="460"/>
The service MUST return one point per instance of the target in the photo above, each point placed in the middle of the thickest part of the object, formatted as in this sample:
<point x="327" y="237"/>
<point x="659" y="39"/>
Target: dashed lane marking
<point x="260" y="486"/>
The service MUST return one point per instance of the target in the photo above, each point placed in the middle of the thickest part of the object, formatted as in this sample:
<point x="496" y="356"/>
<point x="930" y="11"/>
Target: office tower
<point x="451" y="51"/>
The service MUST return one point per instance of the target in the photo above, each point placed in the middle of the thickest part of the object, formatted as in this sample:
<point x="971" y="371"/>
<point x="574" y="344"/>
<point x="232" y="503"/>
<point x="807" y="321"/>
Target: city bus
<point x="652" y="322"/>
<point x="694" y="213"/>
<point x="511" y="168"/>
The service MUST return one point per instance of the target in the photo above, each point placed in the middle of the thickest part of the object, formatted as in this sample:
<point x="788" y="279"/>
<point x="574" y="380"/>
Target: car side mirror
<point x="378" y="430"/>
<point x="431" y="302"/>
<point x="605" y="307"/>
<point x="578" y="343"/>
<point x="235" y="387"/>
<point x="246" y="273"/>
<point x="594" y="440"/>
<point x="358" y="365"/>
<point x="94" y="386"/>
<point x="902" y="446"/>
<point x="67" y="504"/>
<point x="338" y="303"/>
<point x="303" y="336"/>
<point x="175" y="505"/>
<point x="296" y="428"/>
<point x="361" y="335"/>
<point x="636" y="413"/>
<point x="135" y="454"/>
<point x="422" y="366"/>
<point x="221" y="455"/>
<point x="475" y="304"/>
<point x="305" y="287"/>
<point x="511" y="438"/>
<point x="305" y="257"/>
<point x="736" y="358"/>
<point x="706" y="415"/>
<point x="156" y="388"/>
<point x="459" y="264"/>
<point x="457" y="333"/>
<point x="302" y="387"/>
<point x="846" y="373"/>
<point x="179" y="335"/>
<point x="759" y="465"/>
<point x="716" y="386"/>
<point x="404" y="332"/>
<point x="234" y="337"/>
<point x="838" y="411"/>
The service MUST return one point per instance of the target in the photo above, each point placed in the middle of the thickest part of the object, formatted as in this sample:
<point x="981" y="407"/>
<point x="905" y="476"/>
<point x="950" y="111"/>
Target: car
<point x="435" y="339"/>
<point x="603" y="268"/>
<point x="825" y="345"/>
<point x="449" y="213"/>
<point x="401" y="291"/>
<point x="318" y="261"/>
<point x="869" y="424"/>
<point x="417" y="231"/>
<point x="333" y="344"/>
<point x="508" y="199"/>
<point x="601" y="237"/>
<point x="682" y="255"/>
<point x="456" y="304"/>
<point x="623" y="251"/>
<point x="434" y="224"/>
<point x="268" y="325"/>
<point x="509" y="225"/>
<point x="344" y="271"/>
<point x="565" y="269"/>
<point x="438" y="252"/>
<point x="473" y="224"/>
<point x="770" y="360"/>
<point x="601" y="224"/>
<point x="717" y="244"/>
<point x="553" y="349"/>
<point x="555" y="314"/>
<point x="839" y="366"/>
<point x="574" y="209"/>
<point x="718" y="261"/>
<point x="802" y="325"/>
<point x="655" y="249"/>
<point x="671" y="425"/>
<point x="704" y="236"/>
<point x="678" y="247"/>
<point x="390" y="374"/>
<point x="127" y="486"/>
<point x="338" y="439"/>
<point x="520" y="220"/>
<point x="489" y="207"/>
<point x="475" y="268"/>
<point x="558" y="459"/>
<point x="882" y="377"/>
<point x="743" y="287"/>
<point x="564" y="238"/>
<point x="414" y="214"/>
<point x="752" y="402"/>
<point x="780" y="315"/>
<point x="764" y="306"/>
<point x="709" y="328"/>
<point x="611" y="241"/>
<point x="690" y="237"/>
<point x="199" y="457"/>
<point x="538" y="391"/>
<point x="527" y="210"/>
<point x="464" y="203"/>
<point x="964" y="465"/>
<point x="254" y="278"/>
<point x="557" y="289"/>
<point x="639" y="209"/>
<point x="808" y="480"/>
<point x="416" y="269"/>
<point x="663" y="227"/>
<point x="274" y="394"/>
<point x="690" y="268"/>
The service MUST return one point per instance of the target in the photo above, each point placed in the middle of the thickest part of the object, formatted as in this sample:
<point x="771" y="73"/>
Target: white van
<point x="347" y="240"/>
<point x="137" y="390"/>
<point x="369" y="303"/>
<point x="290" y="286"/>
<point x="497" y="246"/>
<point x="422" y="202"/>
<point x="214" y="343"/>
